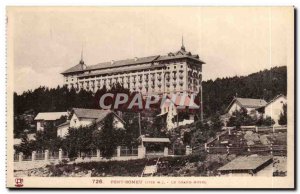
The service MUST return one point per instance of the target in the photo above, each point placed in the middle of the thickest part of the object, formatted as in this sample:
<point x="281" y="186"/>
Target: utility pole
<point x="201" y="103"/>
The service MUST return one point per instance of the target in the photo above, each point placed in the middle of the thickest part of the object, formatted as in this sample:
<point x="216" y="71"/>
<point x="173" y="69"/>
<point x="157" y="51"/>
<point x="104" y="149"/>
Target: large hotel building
<point x="176" y="72"/>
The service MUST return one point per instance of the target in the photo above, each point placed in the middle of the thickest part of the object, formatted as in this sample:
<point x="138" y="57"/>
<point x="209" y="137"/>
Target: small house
<point x="249" y="104"/>
<point x="45" y="118"/>
<point x="85" y="117"/>
<point x="274" y="108"/>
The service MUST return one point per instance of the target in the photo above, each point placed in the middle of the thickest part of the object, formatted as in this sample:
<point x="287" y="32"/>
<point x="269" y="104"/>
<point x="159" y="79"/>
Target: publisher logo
<point x="19" y="182"/>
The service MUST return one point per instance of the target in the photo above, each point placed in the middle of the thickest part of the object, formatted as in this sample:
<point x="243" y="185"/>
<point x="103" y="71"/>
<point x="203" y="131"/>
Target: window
<point x="174" y="66"/>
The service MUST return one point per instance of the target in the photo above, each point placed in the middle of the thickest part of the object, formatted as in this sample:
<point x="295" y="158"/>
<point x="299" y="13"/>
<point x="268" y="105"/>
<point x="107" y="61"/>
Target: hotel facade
<point x="174" y="73"/>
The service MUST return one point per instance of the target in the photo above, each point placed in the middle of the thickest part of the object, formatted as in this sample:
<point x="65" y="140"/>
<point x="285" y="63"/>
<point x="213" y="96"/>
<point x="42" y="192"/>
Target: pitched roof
<point x="76" y="68"/>
<point x="278" y="96"/>
<point x="91" y="113"/>
<point x="134" y="61"/>
<point x="251" y="103"/>
<point x="94" y="113"/>
<point x="125" y="62"/>
<point x="50" y="116"/>
<point x="248" y="102"/>
<point x="122" y="69"/>
<point x="246" y="163"/>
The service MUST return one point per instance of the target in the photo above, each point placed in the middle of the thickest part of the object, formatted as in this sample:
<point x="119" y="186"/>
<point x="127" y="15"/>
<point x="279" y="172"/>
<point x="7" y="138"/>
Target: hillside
<point x="265" y="84"/>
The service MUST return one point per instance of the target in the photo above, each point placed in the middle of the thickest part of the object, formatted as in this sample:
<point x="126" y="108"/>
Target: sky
<point x="231" y="41"/>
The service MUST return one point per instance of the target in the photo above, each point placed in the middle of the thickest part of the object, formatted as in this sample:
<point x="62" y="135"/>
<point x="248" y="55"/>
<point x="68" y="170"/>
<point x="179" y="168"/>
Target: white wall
<point x="39" y="126"/>
<point x="86" y="122"/>
<point x="76" y="122"/>
<point x="234" y="107"/>
<point x="118" y="124"/>
<point x="274" y="109"/>
<point x="62" y="131"/>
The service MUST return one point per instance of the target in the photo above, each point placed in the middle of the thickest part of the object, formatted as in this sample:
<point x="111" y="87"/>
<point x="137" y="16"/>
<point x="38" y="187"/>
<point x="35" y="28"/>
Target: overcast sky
<point x="232" y="41"/>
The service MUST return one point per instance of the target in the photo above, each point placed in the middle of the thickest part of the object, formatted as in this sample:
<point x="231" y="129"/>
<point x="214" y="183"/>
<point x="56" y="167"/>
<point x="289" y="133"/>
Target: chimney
<point x="135" y="58"/>
<point x="112" y="62"/>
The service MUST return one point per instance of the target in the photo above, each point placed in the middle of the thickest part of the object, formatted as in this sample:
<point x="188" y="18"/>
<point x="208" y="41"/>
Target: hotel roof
<point x="127" y="62"/>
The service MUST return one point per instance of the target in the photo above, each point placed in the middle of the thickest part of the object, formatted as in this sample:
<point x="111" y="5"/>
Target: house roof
<point x="248" y="102"/>
<point x="50" y="116"/>
<point x="246" y="163"/>
<point x="94" y="113"/>
<point x="155" y="140"/>
<point x="127" y="62"/>
<point x="274" y="99"/>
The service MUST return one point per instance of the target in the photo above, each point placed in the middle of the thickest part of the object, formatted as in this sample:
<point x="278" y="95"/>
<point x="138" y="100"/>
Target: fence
<point x="128" y="152"/>
<point x="40" y="155"/>
<point x="265" y="129"/>
<point x="276" y="150"/>
<point x="54" y="155"/>
<point x="177" y="151"/>
<point x="27" y="158"/>
<point x="121" y="153"/>
<point x="92" y="153"/>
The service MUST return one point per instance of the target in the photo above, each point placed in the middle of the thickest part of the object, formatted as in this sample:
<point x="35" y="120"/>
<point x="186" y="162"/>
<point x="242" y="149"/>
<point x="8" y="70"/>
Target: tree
<point x="241" y="117"/>
<point x="19" y="126"/>
<point x="268" y="121"/>
<point x="79" y="140"/>
<point x="26" y="146"/>
<point x="108" y="137"/>
<point x="283" y="116"/>
<point x="216" y="122"/>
